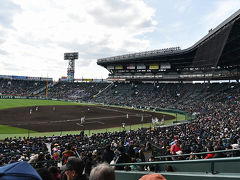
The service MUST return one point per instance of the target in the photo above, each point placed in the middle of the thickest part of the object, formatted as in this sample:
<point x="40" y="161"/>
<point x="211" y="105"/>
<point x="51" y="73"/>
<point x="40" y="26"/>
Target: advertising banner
<point x="131" y="66"/>
<point x="110" y="67"/>
<point x="87" y="80"/>
<point x="141" y="66"/>
<point x="34" y="78"/>
<point x="20" y="77"/>
<point x="153" y="66"/>
<point x="46" y="79"/>
<point x="165" y="66"/>
<point x="5" y="77"/>
<point x="118" y="67"/>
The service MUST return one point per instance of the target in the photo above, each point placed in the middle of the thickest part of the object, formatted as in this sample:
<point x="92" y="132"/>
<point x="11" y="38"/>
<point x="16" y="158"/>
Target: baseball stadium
<point x="171" y="111"/>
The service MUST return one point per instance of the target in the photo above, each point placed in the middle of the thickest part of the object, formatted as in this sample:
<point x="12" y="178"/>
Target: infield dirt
<point x="68" y="118"/>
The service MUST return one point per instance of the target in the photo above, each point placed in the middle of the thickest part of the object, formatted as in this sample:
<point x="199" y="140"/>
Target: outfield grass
<point x="8" y="131"/>
<point x="13" y="130"/>
<point x="49" y="134"/>
<point x="14" y="103"/>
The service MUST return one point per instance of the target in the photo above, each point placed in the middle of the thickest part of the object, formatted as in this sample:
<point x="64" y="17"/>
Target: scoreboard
<point x="71" y="56"/>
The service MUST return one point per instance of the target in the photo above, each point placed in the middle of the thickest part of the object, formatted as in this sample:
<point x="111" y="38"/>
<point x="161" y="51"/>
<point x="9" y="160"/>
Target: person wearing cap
<point x="122" y="158"/>
<point x="74" y="169"/>
<point x="175" y="149"/>
<point x="67" y="153"/>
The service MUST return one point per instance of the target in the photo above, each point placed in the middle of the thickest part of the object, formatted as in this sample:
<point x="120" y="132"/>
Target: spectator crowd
<point x="20" y="87"/>
<point x="215" y="127"/>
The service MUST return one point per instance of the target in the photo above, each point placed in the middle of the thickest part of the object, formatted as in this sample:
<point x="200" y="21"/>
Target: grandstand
<point x="80" y="91"/>
<point x="165" y="79"/>
<point x="182" y="79"/>
<point x="23" y="85"/>
<point x="214" y="57"/>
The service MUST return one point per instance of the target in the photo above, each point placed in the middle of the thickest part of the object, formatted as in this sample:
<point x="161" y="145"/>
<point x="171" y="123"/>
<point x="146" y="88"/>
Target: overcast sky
<point x="34" y="35"/>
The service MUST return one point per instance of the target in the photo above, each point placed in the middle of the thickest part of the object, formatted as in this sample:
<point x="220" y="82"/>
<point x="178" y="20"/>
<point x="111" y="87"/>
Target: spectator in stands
<point x="141" y="153"/>
<point x="209" y="155"/>
<point x="67" y="153"/>
<point x="54" y="171"/>
<point x="98" y="159"/>
<point x="121" y="144"/>
<point x="45" y="174"/>
<point x="148" y="147"/>
<point x="102" y="172"/>
<point x="74" y="169"/>
<point x="108" y="154"/>
<point x="89" y="163"/>
<point x="37" y="160"/>
<point x="122" y="158"/>
<point x="235" y="153"/>
<point x="191" y="157"/>
<point x="152" y="177"/>
<point x="219" y="154"/>
<point x="19" y="170"/>
<point x="176" y="149"/>
<point x="152" y="167"/>
<point x="131" y="151"/>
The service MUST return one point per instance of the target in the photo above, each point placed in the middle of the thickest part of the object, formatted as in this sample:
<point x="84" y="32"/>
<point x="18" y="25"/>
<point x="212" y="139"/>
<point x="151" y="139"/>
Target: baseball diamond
<point x="68" y="118"/>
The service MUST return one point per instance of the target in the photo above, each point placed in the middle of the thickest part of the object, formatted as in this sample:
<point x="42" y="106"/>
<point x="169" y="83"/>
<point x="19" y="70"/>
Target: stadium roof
<point x="220" y="47"/>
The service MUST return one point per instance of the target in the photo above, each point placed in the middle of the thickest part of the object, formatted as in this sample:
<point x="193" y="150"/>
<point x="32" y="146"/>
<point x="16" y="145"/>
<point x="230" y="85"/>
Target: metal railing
<point x="211" y="164"/>
<point x="200" y="153"/>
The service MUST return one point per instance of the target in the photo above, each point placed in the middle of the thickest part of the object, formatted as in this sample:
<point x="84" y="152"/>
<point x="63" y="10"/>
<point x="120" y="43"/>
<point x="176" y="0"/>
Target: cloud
<point x="176" y="26"/>
<point x="34" y="35"/>
<point x="182" y="5"/>
<point x="34" y="41"/>
<point x="8" y="10"/>
<point x="10" y="66"/>
<point x="1" y="40"/>
<point x="223" y="9"/>
<point x="2" y="52"/>
<point x="42" y="31"/>
<point x="125" y="14"/>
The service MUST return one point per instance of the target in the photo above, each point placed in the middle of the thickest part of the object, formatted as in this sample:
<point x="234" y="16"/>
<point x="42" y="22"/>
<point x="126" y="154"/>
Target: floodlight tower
<point x="71" y="57"/>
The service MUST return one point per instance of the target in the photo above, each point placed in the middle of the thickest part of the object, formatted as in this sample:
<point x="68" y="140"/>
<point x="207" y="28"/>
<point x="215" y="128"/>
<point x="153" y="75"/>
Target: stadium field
<point x="15" y="118"/>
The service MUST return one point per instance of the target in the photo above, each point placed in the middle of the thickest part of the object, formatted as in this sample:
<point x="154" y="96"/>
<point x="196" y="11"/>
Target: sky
<point x="34" y="35"/>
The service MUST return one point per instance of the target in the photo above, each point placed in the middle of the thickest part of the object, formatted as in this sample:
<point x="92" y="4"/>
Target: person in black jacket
<point x="122" y="158"/>
<point x="131" y="151"/>
<point x="219" y="154"/>
<point x="108" y="154"/>
<point x="89" y="163"/>
<point x="98" y="159"/>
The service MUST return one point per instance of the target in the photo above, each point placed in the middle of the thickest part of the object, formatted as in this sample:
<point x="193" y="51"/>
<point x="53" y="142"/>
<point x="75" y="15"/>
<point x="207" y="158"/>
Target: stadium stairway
<point x="42" y="89"/>
<point x="105" y="89"/>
